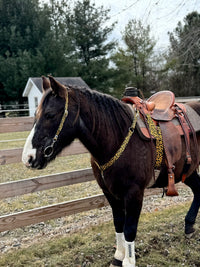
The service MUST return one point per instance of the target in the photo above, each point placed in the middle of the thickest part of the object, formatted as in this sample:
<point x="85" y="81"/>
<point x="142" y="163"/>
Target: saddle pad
<point x="191" y="113"/>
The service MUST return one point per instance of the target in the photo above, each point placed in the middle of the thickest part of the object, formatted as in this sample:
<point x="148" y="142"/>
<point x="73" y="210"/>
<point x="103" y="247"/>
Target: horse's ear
<point x="57" y="87"/>
<point x="45" y="84"/>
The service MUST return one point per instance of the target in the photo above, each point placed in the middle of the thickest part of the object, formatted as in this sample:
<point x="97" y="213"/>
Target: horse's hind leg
<point x="193" y="182"/>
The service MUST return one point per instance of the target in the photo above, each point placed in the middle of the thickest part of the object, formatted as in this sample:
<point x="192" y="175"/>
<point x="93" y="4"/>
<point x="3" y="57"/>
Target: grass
<point x="13" y="172"/>
<point x="12" y="136"/>
<point x="17" y="171"/>
<point x="160" y="242"/>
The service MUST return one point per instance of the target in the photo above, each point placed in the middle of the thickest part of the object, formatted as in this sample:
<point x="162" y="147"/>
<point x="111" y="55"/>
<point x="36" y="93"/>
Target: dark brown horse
<point x="102" y="122"/>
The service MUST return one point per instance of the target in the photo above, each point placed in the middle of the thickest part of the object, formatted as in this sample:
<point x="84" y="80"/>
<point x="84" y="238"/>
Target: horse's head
<point x="54" y="127"/>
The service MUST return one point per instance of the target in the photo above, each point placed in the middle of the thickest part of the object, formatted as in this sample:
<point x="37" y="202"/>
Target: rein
<point x="117" y="155"/>
<point x="48" y="151"/>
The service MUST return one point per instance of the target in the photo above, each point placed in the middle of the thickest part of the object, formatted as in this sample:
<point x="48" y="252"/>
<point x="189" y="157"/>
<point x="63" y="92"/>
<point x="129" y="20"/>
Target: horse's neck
<point x="102" y="134"/>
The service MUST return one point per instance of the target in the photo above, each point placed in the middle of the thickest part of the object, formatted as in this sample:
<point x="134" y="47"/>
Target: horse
<point x="106" y="125"/>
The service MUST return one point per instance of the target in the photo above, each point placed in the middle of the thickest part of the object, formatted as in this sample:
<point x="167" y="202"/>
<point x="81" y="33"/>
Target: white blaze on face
<point x="28" y="150"/>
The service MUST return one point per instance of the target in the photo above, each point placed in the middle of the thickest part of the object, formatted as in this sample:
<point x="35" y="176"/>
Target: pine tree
<point x="89" y="37"/>
<point x="134" y="61"/>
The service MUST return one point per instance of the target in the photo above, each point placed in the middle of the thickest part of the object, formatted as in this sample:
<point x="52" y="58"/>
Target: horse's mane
<point x="104" y="108"/>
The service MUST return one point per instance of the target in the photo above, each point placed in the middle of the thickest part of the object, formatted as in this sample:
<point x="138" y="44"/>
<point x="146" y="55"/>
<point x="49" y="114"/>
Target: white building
<point x="33" y="89"/>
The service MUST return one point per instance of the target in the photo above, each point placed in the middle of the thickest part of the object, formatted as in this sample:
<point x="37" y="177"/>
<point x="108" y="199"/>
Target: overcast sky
<point x="161" y="15"/>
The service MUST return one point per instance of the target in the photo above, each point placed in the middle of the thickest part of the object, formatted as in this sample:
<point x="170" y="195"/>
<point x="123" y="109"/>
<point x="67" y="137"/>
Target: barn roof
<point x="67" y="81"/>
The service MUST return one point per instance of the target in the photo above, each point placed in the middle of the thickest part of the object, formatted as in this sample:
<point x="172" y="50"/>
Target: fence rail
<point x="9" y="222"/>
<point x="14" y="155"/>
<point x="14" y="110"/>
<point x="35" y="184"/>
<point x="17" y="124"/>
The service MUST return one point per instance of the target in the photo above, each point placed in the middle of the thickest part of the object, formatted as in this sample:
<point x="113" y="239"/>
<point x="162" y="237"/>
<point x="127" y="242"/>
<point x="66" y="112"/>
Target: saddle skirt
<point x="191" y="113"/>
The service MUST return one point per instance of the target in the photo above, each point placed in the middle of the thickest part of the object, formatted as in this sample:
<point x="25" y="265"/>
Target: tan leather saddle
<point x="174" y="122"/>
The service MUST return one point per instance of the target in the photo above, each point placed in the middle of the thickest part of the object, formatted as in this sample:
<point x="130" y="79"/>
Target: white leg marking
<point x="28" y="150"/>
<point x="129" y="260"/>
<point x="120" y="249"/>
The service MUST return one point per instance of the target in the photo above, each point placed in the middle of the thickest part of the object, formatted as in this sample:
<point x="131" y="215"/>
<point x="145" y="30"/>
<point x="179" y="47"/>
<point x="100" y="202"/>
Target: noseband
<point x="48" y="151"/>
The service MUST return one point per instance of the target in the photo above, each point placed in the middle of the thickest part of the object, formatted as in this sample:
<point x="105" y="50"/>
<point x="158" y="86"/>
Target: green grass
<point x="160" y="242"/>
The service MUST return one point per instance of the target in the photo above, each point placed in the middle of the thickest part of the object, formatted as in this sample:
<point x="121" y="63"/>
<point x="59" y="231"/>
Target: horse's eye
<point x="49" y="116"/>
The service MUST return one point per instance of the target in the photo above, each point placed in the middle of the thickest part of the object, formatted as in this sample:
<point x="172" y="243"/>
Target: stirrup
<point x="171" y="190"/>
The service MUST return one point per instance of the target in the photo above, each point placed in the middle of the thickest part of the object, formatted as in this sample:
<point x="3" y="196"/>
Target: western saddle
<point x="171" y="119"/>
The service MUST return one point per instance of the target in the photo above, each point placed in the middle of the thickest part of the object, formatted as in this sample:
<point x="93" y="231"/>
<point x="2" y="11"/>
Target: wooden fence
<point x="25" y="186"/>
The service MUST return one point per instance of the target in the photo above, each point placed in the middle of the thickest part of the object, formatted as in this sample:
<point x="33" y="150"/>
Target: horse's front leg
<point x="118" y="211"/>
<point x="133" y="206"/>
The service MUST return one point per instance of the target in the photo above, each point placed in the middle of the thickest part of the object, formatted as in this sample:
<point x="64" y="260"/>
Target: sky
<point x="161" y="15"/>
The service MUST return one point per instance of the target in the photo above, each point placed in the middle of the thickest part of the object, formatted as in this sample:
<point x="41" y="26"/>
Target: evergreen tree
<point x="133" y="63"/>
<point x="23" y="26"/>
<point x="89" y="38"/>
<point x="38" y="39"/>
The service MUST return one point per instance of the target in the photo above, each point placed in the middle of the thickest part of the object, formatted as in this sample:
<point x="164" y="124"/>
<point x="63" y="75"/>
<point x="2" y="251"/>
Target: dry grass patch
<point x="18" y="140"/>
<point x="160" y="242"/>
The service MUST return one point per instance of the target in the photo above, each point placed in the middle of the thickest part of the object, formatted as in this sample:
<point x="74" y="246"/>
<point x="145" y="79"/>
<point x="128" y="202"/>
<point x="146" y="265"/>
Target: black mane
<point x="104" y="108"/>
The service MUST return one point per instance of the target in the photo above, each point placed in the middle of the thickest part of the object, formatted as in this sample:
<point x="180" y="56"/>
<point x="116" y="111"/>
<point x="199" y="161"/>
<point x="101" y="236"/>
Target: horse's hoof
<point x="116" y="263"/>
<point x="189" y="230"/>
<point x="190" y="235"/>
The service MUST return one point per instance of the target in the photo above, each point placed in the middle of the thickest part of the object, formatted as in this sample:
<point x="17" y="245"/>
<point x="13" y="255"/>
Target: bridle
<point x="48" y="151"/>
